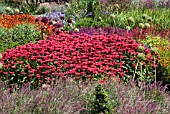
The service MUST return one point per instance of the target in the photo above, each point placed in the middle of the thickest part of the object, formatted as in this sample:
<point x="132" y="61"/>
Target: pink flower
<point x="38" y="75"/>
<point x="6" y="73"/>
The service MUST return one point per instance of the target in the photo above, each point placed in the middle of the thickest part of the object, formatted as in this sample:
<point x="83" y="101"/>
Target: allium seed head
<point x="116" y="6"/>
<point x="112" y="16"/>
<point x="8" y="9"/>
<point x="76" y="30"/>
<point x="154" y="50"/>
<point x="144" y="16"/>
<point x="147" y="25"/>
<point x="127" y="27"/>
<point x="16" y="10"/>
<point x="141" y="48"/>
<point x="131" y="19"/>
<point x="149" y="19"/>
<point x="141" y="25"/>
<point x="141" y="56"/>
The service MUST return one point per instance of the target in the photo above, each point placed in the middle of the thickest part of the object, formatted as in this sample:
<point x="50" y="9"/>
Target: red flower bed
<point x="64" y="55"/>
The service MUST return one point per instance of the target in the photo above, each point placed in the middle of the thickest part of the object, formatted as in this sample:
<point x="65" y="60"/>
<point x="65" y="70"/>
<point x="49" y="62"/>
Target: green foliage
<point x="21" y="34"/>
<point x="2" y="8"/>
<point x="28" y="8"/>
<point x="162" y="45"/>
<point x="101" y="104"/>
<point x="122" y="18"/>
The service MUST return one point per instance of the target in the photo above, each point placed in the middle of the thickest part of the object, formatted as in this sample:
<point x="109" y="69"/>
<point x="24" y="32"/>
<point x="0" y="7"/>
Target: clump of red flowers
<point x="64" y="55"/>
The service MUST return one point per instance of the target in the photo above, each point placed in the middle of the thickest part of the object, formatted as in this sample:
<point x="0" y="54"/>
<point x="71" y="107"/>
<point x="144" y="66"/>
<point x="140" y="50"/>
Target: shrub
<point x="10" y="21"/>
<point x="101" y="103"/>
<point x="76" y="56"/>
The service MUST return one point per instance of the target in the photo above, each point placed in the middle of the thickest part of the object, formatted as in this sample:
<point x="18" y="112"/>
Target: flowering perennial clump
<point x="76" y="56"/>
<point x="10" y="21"/>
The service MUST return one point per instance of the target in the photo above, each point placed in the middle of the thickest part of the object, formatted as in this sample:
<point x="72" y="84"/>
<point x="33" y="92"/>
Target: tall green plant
<point x="101" y="104"/>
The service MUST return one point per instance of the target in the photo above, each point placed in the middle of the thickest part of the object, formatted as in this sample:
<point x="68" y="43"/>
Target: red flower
<point x="38" y="75"/>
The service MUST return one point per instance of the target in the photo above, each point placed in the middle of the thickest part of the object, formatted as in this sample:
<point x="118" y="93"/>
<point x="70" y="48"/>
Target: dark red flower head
<point x="44" y="19"/>
<point x="69" y="21"/>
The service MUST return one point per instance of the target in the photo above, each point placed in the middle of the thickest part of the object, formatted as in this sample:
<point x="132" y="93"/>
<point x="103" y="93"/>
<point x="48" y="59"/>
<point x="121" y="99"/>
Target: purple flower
<point x="44" y="19"/>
